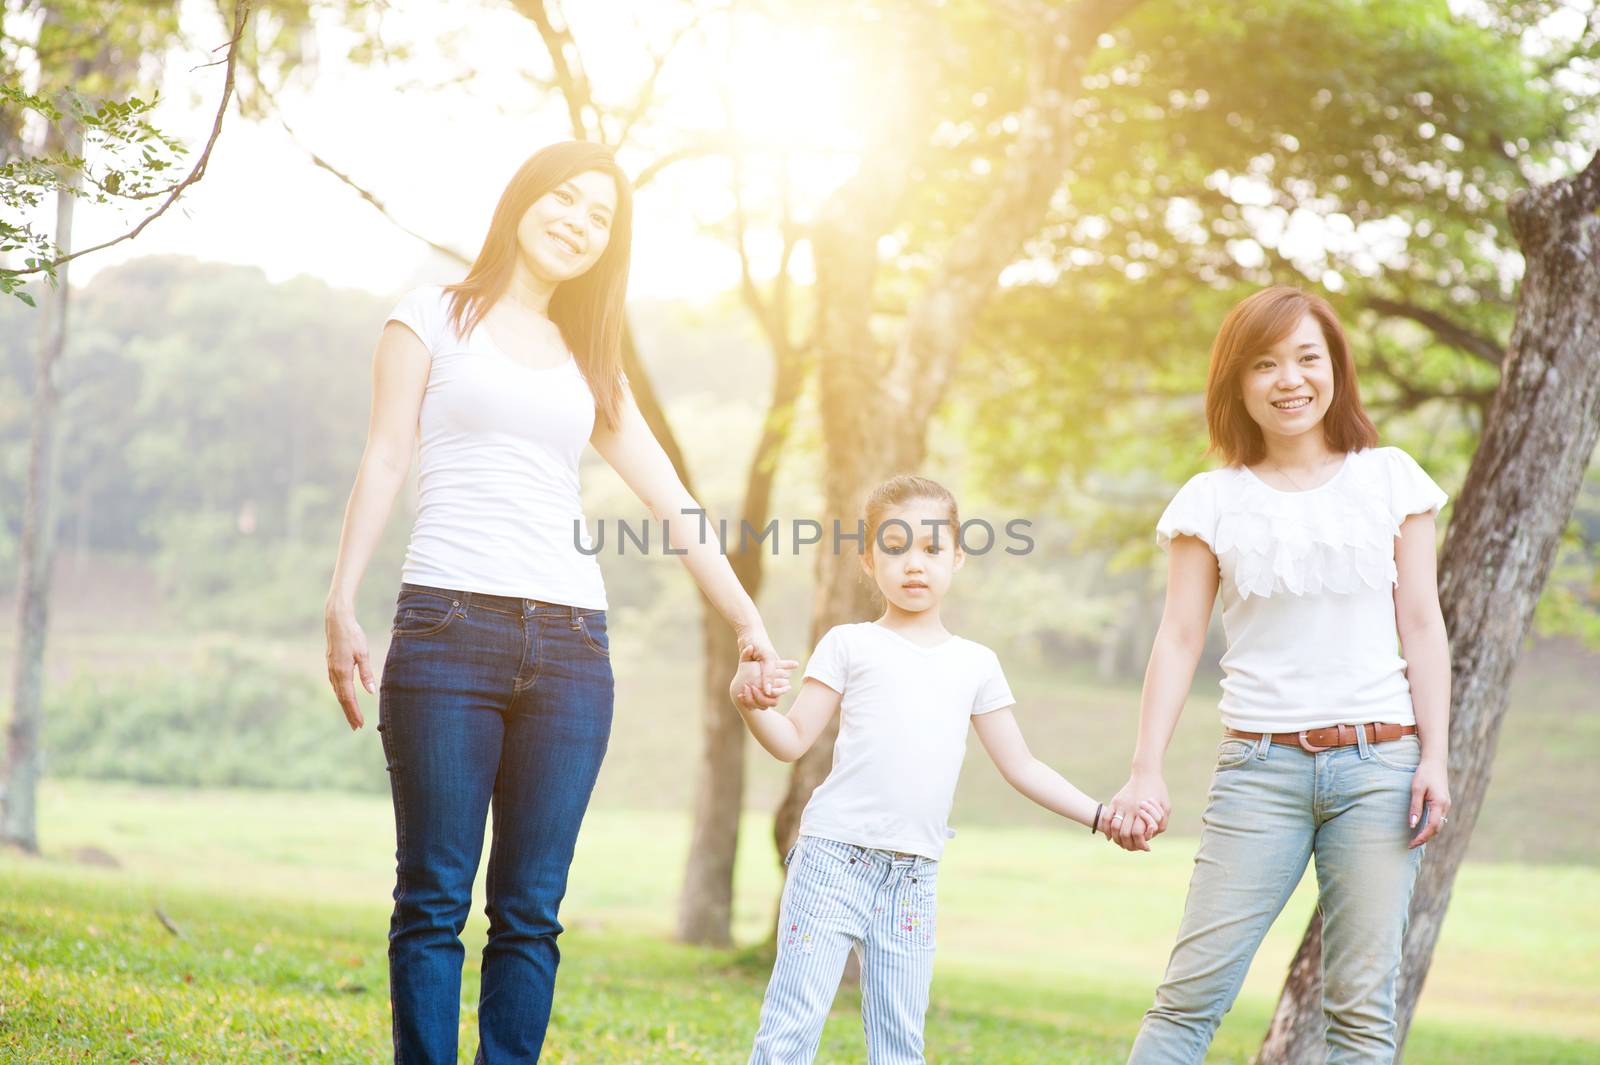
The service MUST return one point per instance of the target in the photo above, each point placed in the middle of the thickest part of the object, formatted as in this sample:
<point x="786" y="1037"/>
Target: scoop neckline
<point x="947" y="641"/>
<point x="1348" y="455"/>
<point x="488" y="338"/>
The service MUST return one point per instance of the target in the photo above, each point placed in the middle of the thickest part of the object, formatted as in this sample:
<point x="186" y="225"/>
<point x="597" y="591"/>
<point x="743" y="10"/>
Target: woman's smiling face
<point x="566" y="230"/>
<point x="1288" y="388"/>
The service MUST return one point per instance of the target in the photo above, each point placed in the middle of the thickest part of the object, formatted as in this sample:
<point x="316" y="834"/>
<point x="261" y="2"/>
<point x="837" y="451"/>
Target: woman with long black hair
<point x="497" y="690"/>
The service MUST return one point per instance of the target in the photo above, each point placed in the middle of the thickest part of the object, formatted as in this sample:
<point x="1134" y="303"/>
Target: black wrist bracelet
<point x="1098" y="808"/>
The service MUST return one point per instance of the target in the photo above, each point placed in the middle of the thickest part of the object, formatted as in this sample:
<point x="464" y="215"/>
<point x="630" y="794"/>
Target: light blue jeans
<point x="1273" y="808"/>
<point x="839" y="897"/>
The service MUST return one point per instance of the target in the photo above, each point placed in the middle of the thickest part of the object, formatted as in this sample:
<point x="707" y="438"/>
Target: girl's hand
<point x="1139" y="812"/>
<point x="754" y="646"/>
<point x="347" y="659"/>
<point x="1430" y="786"/>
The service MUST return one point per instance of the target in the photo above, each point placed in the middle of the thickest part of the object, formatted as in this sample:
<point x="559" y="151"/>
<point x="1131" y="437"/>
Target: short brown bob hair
<point x="1255" y="324"/>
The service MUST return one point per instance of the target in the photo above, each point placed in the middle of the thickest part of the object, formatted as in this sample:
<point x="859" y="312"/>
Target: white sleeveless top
<point x="498" y="485"/>
<point x="1307" y="584"/>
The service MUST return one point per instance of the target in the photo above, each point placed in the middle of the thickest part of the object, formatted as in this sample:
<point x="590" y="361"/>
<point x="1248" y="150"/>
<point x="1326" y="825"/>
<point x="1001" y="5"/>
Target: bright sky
<point x="438" y="158"/>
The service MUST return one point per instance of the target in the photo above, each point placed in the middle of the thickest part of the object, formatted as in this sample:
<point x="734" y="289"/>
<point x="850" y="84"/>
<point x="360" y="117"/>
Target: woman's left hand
<point x="1430" y="790"/>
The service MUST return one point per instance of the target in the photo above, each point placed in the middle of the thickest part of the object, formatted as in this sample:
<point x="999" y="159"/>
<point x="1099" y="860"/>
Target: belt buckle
<point x="1305" y="744"/>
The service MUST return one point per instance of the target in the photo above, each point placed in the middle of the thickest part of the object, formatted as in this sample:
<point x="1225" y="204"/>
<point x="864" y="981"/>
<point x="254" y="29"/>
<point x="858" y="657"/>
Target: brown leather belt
<point x="1314" y="740"/>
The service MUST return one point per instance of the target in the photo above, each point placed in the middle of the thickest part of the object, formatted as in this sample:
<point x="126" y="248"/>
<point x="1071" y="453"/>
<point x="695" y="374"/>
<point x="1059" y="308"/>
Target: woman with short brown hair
<point x="1336" y="681"/>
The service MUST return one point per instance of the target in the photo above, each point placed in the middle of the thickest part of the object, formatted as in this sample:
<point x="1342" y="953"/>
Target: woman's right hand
<point x="1145" y="789"/>
<point x="347" y="659"/>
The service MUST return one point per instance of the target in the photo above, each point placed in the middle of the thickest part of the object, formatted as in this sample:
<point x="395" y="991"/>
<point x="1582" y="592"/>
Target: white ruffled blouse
<point x="1307" y="584"/>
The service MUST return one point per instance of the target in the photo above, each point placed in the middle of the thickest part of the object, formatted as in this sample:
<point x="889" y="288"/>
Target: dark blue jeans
<point x="487" y="702"/>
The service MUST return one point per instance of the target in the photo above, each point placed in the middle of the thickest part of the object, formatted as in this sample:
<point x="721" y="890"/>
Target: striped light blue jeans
<point x="839" y="897"/>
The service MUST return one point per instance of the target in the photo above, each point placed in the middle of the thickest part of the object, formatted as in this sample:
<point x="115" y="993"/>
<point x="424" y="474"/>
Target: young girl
<point x="864" y="872"/>
<point x="1336" y="687"/>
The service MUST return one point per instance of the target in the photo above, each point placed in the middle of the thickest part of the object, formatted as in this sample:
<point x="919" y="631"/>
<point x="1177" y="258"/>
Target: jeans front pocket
<point x="1402" y="755"/>
<point x="1232" y="752"/>
<point x="592" y="626"/>
<point x="817" y="877"/>
<point x="421" y="613"/>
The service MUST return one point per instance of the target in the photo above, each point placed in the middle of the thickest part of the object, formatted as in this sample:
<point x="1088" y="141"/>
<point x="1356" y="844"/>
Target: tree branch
<point x="241" y="15"/>
<point x="366" y="194"/>
<point x="943" y="315"/>
<point x="570" y="77"/>
<point x="270" y="100"/>
<point x="703" y="148"/>
<point x="1411" y="395"/>
<point x="647" y="92"/>
<point x="1458" y="336"/>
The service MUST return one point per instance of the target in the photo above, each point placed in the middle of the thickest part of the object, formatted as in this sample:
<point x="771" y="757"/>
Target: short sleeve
<point x="1192" y="512"/>
<point x="993" y="691"/>
<point x="1411" y="490"/>
<point x="421" y="311"/>
<point x="830" y="659"/>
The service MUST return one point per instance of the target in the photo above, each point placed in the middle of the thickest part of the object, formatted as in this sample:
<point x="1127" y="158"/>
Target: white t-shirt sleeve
<point x="830" y="659"/>
<point x="422" y="310"/>
<point x="993" y="691"/>
<point x="1192" y="512"/>
<point x="1411" y="490"/>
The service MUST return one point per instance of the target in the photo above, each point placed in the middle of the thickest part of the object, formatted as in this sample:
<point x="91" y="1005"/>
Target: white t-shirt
<point x="902" y="734"/>
<point x="1307" y="583"/>
<point x="498" y="482"/>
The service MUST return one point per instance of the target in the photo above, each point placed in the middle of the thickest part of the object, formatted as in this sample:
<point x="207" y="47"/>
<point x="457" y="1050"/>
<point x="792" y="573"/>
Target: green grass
<point x="1050" y="944"/>
<point x="1542" y="774"/>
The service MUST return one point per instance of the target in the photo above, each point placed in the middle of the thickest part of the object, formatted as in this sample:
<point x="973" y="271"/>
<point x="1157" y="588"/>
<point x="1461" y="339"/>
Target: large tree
<point x="79" y="48"/>
<point x="1507" y="522"/>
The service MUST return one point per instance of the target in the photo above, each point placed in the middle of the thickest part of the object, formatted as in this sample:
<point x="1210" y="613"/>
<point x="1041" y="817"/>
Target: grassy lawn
<point x="1050" y="944"/>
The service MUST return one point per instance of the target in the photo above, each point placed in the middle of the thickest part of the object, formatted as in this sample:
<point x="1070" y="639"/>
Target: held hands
<point x="347" y="659"/>
<point x="761" y="676"/>
<point x="1138" y="813"/>
<point x="1144" y="822"/>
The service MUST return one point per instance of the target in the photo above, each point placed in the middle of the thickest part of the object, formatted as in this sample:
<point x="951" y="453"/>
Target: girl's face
<point x="567" y="229"/>
<point x="1288" y="388"/>
<point x="912" y="563"/>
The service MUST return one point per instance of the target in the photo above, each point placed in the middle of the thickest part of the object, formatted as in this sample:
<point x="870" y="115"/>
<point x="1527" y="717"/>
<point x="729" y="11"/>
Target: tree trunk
<point x="24" y="756"/>
<point x="1518" y="497"/>
<point x="876" y="405"/>
<point x="858" y="439"/>
<point x="83" y="524"/>
<point x="705" y="907"/>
